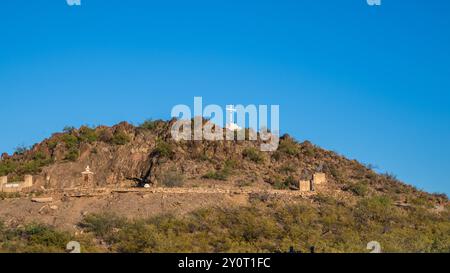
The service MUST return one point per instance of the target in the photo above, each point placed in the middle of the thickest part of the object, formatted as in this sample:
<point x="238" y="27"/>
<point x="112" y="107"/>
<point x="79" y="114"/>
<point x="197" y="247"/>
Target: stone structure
<point x="88" y="177"/>
<point x="319" y="178"/>
<point x="304" y="185"/>
<point x="231" y="125"/>
<point x="3" y="181"/>
<point x="311" y="185"/>
<point x="17" y="186"/>
<point x="28" y="181"/>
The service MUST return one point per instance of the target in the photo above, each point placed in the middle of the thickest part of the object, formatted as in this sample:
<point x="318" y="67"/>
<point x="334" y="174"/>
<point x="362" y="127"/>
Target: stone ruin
<point x="311" y="185"/>
<point x="15" y="186"/>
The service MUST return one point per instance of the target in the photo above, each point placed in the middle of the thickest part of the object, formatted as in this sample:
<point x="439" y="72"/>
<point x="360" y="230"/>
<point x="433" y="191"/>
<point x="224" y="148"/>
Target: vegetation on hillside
<point x="267" y="226"/>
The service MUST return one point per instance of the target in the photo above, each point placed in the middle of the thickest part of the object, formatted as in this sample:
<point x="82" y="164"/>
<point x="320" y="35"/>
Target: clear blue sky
<point x="372" y="83"/>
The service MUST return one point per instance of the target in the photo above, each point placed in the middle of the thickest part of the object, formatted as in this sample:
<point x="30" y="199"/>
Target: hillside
<point x="213" y="196"/>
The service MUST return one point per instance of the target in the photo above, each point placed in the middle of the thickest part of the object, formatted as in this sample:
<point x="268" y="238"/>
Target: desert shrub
<point x="33" y="238"/>
<point x="43" y="237"/>
<point x="224" y="173"/>
<point x="52" y="144"/>
<point x="72" y="154"/>
<point x="253" y="154"/>
<point x="87" y="134"/>
<point x="70" y="141"/>
<point x="288" y="183"/>
<point x="200" y="156"/>
<point x="150" y="124"/>
<point x="20" y="168"/>
<point x="279" y="185"/>
<point x="9" y="195"/>
<point x="69" y="129"/>
<point x="20" y="150"/>
<point x="7" y="167"/>
<point x="289" y="147"/>
<point x="309" y="150"/>
<point x="390" y="177"/>
<point x="217" y="175"/>
<point x="102" y="225"/>
<point x="137" y="237"/>
<point x="105" y="135"/>
<point x="243" y="183"/>
<point x="337" y="174"/>
<point x="259" y="197"/>
<point x="360" y="188"/>
<point x="120" y="138"/>
<point x="328" y="224"/>
<point x="39" y="156"/>
<point x="32" y="166"/>
<point x="287" y="169"/>
<point x="163" y="149"/>
<point x="440" y="195"/>
<point x="172" y="178"/>
<point x="377" y="208"/>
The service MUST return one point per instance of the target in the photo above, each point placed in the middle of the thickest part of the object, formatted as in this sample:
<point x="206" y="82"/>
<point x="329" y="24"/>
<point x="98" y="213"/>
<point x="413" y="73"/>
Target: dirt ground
<point x="65" y="212"/>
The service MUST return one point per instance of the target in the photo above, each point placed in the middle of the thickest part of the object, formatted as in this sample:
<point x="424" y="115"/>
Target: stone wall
<point x="319" y="179"/>
<point x="310" y="185"/>
<point x="304" y="185"/>
<point x="3" y="180"/>
<point x="15" y="187"/>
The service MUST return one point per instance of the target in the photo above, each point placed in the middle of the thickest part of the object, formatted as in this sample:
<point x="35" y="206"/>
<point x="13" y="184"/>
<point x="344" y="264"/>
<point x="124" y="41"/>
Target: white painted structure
<point x="232" y="126"/>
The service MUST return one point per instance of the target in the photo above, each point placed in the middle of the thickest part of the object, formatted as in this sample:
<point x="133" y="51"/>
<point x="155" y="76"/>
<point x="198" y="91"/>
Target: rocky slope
<point x="355" y="206"/>
<point x="125" y="155"/>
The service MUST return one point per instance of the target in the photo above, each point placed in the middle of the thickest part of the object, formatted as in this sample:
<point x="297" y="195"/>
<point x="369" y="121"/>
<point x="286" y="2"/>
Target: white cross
<point x="231" y="110"/>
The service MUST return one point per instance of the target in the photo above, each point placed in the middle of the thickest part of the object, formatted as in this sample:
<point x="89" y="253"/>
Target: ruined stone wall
<point x="310" y="185"/>
<point x="304" y="185"/>
<point x="3" y="180"/>
<point x="15" y="187"/>
<point x="319" y="179"/>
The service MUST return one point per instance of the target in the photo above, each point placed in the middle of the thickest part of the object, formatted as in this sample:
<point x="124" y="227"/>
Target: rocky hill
<point x="126" y="157"/>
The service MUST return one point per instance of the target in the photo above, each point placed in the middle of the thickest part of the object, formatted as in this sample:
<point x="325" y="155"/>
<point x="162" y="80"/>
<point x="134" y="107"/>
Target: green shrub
<point x="377" y="208"/>
<point x="359" y="189"/>
<point x="72" y="154"/>
<point x="224" y="172"/>
<point x="20" y="168"/>
<point x="163" y="149"/>
<point x="52" y="144"/>
<point x="120" y="138"/>
<point x="243" y="183"/>
<point x="70" y="141"/>
<point x="253" y="154"/>
<point x="287" y="169"/>
<point x="289" y="147"/>
<point x="40" y="236"/>
<point x="102" y="225"/>
<point x="20" y="150"/>
<point x="7" y="167"/>
<point x="9" y="195"/>
<point x="69" y="129"/>
<point x="87" y="134"/>
<point x="172" y="178"/>
<point x="150" y="124"/>
<point x="217" y="175"/>
<point x="286" y="184"/>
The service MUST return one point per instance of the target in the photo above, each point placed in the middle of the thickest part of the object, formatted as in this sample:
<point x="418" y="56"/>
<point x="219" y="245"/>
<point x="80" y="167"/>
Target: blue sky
<point x="371" y="83"/>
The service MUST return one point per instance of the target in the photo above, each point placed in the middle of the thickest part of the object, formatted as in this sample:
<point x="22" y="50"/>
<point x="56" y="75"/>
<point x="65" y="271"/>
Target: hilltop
<point x="209" y="189"/>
